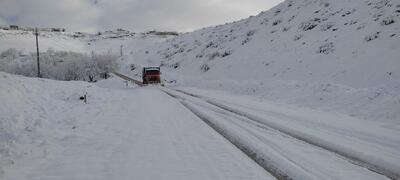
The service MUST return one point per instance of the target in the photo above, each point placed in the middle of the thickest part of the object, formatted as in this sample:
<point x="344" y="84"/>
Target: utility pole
<point x="37" y="53"/>
<point x="121" y="50"/>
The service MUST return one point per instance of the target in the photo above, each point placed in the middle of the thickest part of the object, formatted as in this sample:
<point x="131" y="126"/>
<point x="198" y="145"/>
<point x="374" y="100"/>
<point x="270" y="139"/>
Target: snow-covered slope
<point x="25" y="41"/>
<point x="24" y="113"/>
<point x="105" y="42"/>
<point x="335" y="55"/>
<point x="355" y="43"/>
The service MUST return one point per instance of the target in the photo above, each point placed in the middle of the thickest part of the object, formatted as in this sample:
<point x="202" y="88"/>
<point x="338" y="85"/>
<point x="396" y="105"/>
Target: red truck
<point x="151" y="75"/>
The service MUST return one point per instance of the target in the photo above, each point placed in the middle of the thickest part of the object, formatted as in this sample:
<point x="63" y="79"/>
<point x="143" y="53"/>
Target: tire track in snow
<point x="353" y="160"/>
<point x="270" y="167"/>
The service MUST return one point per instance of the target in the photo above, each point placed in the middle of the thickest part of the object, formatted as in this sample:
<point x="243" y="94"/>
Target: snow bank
<point x="24" y="108"/>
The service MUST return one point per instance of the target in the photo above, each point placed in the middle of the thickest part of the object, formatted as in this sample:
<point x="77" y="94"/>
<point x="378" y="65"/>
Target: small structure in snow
<point x="57" y="30"/>
<point x="14" y="27"/>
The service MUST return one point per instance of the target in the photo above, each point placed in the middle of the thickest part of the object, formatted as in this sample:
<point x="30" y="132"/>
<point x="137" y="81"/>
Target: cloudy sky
<point x="135" y="15"/>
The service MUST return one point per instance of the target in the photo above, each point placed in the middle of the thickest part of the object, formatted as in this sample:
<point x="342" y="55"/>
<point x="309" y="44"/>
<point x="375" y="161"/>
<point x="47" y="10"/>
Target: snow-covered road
<point x="133" y="133"/>
<point x="371" y="145"/>
<point x="128" y="132"/>
<point x="279" y="153"/>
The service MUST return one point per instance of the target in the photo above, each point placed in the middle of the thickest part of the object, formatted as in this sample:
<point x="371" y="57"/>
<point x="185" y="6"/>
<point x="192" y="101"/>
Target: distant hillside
<point x="101" y="42"/>
<point x="69" y="55"/>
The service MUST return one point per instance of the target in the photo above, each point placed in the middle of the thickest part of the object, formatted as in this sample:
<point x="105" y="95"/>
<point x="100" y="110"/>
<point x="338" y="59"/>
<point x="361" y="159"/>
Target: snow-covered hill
<point x="355" y="43"/>
<point x="25" y="41"/>
<point x="335" y="55"/>
<point x="103" y="42"/>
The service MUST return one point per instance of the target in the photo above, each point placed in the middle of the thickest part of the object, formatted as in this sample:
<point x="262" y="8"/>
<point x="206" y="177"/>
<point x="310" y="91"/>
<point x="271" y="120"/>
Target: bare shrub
<point x="326" y="48"/>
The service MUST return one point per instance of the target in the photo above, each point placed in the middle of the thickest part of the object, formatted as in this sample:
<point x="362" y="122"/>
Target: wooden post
<point x="37" y="53"/>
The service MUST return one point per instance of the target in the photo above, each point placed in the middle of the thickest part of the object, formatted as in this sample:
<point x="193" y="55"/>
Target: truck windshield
<point x="152" y="72"/>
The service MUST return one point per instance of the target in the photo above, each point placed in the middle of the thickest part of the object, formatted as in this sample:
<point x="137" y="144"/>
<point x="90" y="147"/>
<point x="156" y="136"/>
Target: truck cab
<point x="151" y="75"/>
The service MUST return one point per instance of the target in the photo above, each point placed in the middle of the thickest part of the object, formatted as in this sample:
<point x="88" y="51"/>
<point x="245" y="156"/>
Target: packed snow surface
<point x="123" y="132"/>
<point x="374" y="143"/>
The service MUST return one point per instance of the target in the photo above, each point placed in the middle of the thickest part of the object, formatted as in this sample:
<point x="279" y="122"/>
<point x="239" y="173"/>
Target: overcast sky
<point x="135" y="15"/>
